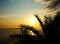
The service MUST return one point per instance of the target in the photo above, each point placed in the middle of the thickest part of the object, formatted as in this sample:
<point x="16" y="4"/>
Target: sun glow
<point x="32" y="21"/>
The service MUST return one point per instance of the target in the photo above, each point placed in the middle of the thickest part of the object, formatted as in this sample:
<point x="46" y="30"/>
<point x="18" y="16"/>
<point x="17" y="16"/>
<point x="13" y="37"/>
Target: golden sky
<point x="16" y="12"/>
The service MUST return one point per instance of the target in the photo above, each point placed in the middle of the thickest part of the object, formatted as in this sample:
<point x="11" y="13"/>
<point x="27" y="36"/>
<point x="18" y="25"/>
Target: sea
<point x="6" y="32"/>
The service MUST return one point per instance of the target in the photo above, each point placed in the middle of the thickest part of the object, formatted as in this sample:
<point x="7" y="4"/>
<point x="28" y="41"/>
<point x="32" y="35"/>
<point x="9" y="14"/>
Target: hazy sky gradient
<point x="15" y="12"/>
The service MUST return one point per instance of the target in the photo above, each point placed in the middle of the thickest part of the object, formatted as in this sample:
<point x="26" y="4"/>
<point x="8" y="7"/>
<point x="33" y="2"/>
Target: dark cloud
<point x="54" y="4"/>
<point x="48" y="0"/>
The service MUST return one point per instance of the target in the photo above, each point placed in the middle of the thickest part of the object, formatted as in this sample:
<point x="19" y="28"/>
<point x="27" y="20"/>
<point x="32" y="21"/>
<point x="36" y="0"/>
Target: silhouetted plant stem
<point x="39" y="21"/>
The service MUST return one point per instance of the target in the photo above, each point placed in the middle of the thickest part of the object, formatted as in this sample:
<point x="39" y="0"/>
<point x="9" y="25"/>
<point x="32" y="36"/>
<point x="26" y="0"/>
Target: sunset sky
<point x="15" y="12"/>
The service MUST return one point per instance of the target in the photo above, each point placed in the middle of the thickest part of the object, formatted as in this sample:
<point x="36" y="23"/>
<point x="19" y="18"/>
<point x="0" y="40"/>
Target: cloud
<point x="52" y="5"/>
<point x="37" y="1"/>
<point x="43" y="1"/>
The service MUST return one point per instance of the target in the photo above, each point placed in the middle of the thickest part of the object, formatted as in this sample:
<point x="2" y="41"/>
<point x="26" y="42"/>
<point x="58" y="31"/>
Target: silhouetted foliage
<point x="39" y="20"/>
<point x="51" y="28"/>
<point x="29" y="35"/>
<point x="48" y="20"/>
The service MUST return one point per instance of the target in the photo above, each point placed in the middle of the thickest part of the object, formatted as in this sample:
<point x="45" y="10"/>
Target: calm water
<point x="7" y="32"/>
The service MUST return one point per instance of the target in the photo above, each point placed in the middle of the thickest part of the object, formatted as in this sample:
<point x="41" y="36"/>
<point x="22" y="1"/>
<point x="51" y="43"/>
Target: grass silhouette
<point x="50" y="30"/>
<point x="25" y="38"/>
